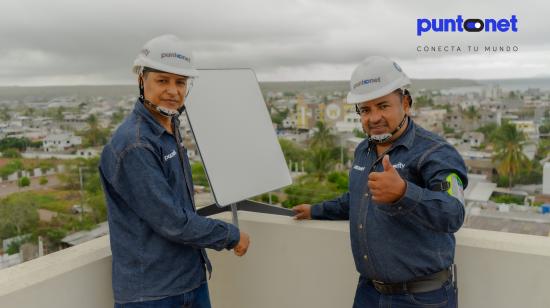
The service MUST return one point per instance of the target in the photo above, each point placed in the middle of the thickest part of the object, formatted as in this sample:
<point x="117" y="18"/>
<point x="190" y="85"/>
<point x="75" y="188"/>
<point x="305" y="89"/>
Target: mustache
<point x="379" y="124"/>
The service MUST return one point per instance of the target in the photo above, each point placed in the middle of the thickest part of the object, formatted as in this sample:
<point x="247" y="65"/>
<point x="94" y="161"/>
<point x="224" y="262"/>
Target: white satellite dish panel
<point x="235" y="136"/>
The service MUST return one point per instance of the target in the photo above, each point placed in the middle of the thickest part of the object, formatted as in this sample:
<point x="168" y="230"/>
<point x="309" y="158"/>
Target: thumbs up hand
<point x="386" y="186"/>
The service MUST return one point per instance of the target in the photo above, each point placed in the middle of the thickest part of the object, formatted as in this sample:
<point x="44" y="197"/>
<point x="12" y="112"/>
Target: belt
<point x="418" y="285"/>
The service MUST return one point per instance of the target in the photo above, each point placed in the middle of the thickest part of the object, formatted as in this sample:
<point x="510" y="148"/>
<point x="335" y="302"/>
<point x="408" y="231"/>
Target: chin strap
<point x="386" y="137"/>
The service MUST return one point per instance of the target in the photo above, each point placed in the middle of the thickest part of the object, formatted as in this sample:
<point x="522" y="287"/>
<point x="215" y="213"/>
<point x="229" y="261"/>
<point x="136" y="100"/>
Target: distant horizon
<point x="276" y="81"/>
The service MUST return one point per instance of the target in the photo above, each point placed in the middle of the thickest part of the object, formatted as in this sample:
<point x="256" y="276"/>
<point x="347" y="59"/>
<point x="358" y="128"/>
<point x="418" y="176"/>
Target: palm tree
<point x="509" y="155"/>
<point x="321" y="162"/>
<point x="92" y="121"/>
<point x="322" y="138"/>
<point x="321" y="148"/>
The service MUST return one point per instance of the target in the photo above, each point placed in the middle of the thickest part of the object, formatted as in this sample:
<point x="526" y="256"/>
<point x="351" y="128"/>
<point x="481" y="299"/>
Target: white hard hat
<point x="375" y="77"/>
<point x="166" y="53"/>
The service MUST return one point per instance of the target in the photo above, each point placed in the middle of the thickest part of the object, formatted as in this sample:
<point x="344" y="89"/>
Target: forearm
<point x="436" y="210"/>
<point x="335" y="209"/>
<point x="210" y="233"/>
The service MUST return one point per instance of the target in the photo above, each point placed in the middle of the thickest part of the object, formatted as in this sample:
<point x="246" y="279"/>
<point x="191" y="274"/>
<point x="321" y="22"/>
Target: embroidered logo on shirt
<point x="358" y="168"/>
<point x="171" y="155"/>
<point x="399" y="165"/>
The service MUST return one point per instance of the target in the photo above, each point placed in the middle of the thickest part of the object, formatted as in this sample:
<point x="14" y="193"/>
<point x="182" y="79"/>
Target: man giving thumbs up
<point x="402" y="213"/>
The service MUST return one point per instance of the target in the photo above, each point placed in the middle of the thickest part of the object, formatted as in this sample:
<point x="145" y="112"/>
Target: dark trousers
<point x="367" y="296"/>
<point x="198" y="298"/>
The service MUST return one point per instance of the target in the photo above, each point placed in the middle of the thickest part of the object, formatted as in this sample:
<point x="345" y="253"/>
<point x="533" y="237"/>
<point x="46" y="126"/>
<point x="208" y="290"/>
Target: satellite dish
<point x="235" y="136"/>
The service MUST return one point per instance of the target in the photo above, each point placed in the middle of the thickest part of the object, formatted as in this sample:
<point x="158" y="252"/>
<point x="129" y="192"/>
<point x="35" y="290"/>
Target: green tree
<point x="265" y="198"/>
<point x="447" y="129"/>
<point x="18" y="215"/>
<point x="14" y="246"/>
<point x="423" y="101"/>
<point x="29" y="112"/>
<point x="531" y="174"/>
<point x="322" y="138"/>
<point x="11" y="167"/>
<point x="96" y="202"/>
<point x="509" y="155"/>
<point x="14" y="143"/>
<point x="543" y="149"/>
<point x="54" y="235"/>
<point x="544" y="128"/>
<point x="309" y="190"/>
<point x="95" y="135"/>
<point x="470" y="113"/>
<point x="24" y="182"/>
<point x="199" y="175"/>
<point x="340" y="179"/>
<point x="11" y="153"/>
<point x="43" y="180"/>
<point x="321" y="162"/>
<point x="279" y="116"/>
<point x="117" y="116"/>
<point x="488" y="130"/>
<point x="92" y="121"/>
<point x="92" y="195"/>
<point x="58" y="114"/>
<point x="45" y="165"/>
<point x="70" y="178"/>
<point x="292" y="151"/>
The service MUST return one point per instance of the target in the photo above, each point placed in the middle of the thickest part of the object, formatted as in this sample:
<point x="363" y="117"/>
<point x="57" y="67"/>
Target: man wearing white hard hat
<point x="158" y="240"/>
<point x="405" y="198"/>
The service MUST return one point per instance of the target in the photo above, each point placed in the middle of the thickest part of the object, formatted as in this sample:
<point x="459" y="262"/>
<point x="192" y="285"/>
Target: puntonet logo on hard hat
<point x="469" y="25"/>
<point x="366" y="81"/>
<point x="175" y="55"/>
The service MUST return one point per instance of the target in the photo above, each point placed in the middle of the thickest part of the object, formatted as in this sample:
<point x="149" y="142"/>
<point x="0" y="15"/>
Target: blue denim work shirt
<point x="157" y="238"/>
<point x="414" y="236"/>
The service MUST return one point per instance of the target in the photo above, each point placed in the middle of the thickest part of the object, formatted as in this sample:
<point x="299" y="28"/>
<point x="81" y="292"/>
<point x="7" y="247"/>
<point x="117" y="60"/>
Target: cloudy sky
<point x="60" y="42"/>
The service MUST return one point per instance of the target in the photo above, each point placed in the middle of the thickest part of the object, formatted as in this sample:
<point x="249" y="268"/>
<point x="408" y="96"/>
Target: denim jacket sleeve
<point x="436" y="210"/>
<point x="140" y="181"/>
<point x="335" y="209"/>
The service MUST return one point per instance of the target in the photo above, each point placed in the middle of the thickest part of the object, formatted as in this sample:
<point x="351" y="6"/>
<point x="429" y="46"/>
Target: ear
<point x="407" y="104"/>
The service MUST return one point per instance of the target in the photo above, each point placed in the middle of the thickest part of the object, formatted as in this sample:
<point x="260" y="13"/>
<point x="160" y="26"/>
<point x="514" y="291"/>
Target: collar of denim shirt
<point x="140" y="110"/>
<point x="407" y="138"/>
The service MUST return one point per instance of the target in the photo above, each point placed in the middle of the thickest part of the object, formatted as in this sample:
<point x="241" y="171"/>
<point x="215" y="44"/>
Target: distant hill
<point x="312" y="87"/>
<point x="439" y="84"/>
<point x="326" y="87"/>
<point x="41" y="94"/>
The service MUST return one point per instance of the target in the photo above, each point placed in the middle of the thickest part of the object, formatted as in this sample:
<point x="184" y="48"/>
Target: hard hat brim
<point x="141" y="62"/>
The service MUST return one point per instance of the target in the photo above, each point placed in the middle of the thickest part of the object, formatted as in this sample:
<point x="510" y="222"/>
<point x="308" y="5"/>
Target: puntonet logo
<point x="174" y="55"/>
<point x="171" y="155"/>
<point x="459" y="24"/>
<point x="366" y="81"/>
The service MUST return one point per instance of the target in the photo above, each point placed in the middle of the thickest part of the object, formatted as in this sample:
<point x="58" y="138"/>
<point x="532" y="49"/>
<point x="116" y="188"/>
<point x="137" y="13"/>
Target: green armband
<point x="456" y="188"/>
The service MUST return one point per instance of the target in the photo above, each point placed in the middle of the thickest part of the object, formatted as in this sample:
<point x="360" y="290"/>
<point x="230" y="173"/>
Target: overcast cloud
<point x="94" y="42"/>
